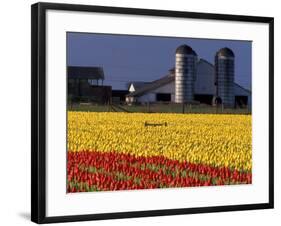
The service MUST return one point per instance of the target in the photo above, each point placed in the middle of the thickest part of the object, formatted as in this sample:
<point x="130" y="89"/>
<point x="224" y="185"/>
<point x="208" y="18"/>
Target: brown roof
<point x="85" y="72"/>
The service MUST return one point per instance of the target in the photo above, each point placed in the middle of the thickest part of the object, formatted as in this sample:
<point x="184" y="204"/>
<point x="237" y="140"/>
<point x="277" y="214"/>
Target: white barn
<point x="163" y="89"/>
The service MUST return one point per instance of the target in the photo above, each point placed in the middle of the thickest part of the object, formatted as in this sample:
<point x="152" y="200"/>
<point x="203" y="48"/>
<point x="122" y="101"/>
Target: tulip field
<point x="110" y="151"/>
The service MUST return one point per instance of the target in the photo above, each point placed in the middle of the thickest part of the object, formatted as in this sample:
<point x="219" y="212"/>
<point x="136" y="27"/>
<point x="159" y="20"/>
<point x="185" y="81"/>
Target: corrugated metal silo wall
<point x="225" y="79"/>
<point x="185" y="77"/>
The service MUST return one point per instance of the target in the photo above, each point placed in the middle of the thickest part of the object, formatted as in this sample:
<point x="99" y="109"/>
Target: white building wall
<point x="168" y="88"/>
<point x="151" y="96"/>
<point x="132" y="88"/>
<point x="205" y="79"/>
<point x="148" y="97"/>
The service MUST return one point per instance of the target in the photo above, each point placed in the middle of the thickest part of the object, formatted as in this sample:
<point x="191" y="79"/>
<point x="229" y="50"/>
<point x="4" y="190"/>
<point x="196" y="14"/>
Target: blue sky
<point x="126" y="58"/>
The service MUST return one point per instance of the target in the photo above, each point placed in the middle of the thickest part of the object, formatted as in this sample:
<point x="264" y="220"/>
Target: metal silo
<point x="224" y="76"/>
<point x="185" y="74"/>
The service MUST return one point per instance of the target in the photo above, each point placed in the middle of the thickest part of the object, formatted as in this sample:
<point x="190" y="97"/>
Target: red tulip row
<point x="91" y="171"/>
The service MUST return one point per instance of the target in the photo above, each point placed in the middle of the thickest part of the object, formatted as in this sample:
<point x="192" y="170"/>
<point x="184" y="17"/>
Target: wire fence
<point x="157" y="107"/>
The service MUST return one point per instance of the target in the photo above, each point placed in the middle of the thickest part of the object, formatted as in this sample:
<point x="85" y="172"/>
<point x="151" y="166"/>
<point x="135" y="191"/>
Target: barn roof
<point x="203" y="61"/>
<point x="153" y="85"/>
<point x="138" y="84"/>
<point x="85" y="72"/>
<point x="243" y="88"/>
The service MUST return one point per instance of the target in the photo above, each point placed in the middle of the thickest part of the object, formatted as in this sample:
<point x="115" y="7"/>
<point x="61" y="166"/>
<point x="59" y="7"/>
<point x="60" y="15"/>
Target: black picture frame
<point x="38" y="111"/>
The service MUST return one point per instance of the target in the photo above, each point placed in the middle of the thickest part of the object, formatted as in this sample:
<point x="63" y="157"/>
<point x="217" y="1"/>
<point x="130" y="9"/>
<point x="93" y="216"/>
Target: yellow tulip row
<point x="217" y="140"/>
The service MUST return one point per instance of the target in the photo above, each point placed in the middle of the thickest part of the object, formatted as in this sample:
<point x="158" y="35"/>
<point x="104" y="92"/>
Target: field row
<point x="97" y="171"/>
<point x="213" y="140"/>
